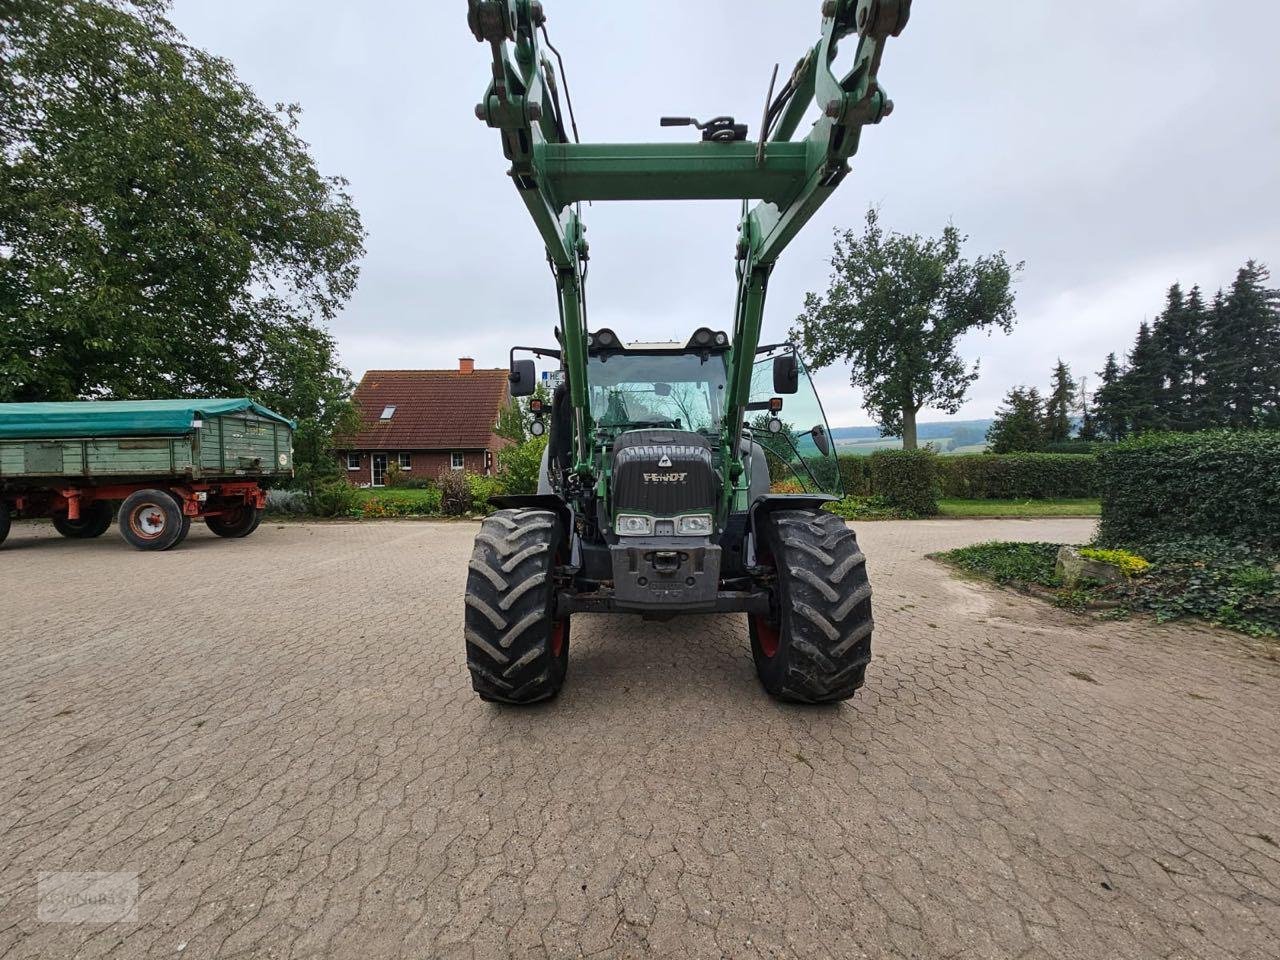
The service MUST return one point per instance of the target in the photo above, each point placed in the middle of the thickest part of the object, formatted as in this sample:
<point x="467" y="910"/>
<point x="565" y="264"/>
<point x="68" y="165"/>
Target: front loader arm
<point x="789" y="178"/>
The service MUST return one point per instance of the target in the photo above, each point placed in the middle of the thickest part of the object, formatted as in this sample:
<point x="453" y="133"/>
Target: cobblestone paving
<point x="278" y="735"/>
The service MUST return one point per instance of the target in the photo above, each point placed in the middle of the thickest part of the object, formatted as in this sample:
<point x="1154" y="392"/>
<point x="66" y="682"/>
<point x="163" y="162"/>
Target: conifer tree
<point x="1196" y="325"/>
<point x="1108" y="401"/>
<point x="1058" y="406"/>
<point x="1019" y="424"/>
<point x="1244" y="351"/>
<point x="1144" y="383"/>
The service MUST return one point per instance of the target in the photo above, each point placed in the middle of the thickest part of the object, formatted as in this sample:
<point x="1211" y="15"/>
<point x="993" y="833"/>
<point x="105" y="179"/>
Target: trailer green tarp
<point x="117" y="418"/>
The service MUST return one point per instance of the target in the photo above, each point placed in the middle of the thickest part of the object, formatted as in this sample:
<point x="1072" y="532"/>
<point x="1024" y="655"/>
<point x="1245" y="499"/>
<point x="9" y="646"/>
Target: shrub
<point x="287" y="503"/>
<point x="519" y="464"/>
<point x="1011" y="563"/>
<point x="482" y="488"/>
<point x="455" y="493"/>
<point x="1218" y="483"/>
<point x="786" y="486"/>
<point x="906" y="479"/>
<point x="1018" y="476"/>
<point x="855" y="474"/>
<point x="423" y="503"/>
<point x="336" y="498"/>
<point x="1226" y="583"/>
<point x="867" y="508"/>
<point x="1127" y="563"/>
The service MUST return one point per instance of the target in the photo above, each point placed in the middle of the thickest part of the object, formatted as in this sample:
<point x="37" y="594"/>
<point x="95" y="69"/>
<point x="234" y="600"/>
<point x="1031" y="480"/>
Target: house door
<point x="378" y="465"/>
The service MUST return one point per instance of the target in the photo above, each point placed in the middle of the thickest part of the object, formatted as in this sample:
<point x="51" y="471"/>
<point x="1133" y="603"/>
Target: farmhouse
<point x="424" y="422"/>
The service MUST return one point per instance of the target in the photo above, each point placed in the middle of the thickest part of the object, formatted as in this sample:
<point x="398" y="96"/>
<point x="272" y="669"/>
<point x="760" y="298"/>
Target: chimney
<point x="466" y="365"/>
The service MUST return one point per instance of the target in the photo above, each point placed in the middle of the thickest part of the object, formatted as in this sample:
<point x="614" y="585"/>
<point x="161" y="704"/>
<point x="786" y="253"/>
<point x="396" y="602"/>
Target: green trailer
<point x="162" y="462"/>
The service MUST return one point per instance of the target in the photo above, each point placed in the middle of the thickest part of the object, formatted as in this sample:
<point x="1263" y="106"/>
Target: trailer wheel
<point x="240" y="522"/>
<point x="815" y="644"/>
<point x="95" y="517"/>
<point x="153" y="520"/>
<point x="517" y="651"/>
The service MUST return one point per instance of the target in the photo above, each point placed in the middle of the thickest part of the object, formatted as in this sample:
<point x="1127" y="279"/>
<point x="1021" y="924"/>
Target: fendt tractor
<point x="657" y="489"/>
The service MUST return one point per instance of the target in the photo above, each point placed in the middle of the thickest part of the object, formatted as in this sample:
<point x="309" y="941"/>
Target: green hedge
<point x="1217" y="483"/>
<point x="855" y="474"/>
<point x="1018" y="476"/>
<point x="907" y="479"/>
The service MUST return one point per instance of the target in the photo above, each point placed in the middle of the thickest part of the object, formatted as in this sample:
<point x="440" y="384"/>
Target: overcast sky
<point x="1115" y="148"/>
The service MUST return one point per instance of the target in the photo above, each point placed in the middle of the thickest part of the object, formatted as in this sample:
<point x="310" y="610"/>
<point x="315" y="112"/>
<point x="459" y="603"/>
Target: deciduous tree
<point x="894" y="310"/>
<point x="162" y="232"/>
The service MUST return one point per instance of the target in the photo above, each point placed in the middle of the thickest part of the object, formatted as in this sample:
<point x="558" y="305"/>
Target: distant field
<point x="861" y="447"/>
<point x="1019" y="508"/>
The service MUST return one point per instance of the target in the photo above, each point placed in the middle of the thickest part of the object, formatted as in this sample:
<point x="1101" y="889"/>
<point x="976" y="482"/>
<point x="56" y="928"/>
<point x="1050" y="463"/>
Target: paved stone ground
<point x="279" y="737"/>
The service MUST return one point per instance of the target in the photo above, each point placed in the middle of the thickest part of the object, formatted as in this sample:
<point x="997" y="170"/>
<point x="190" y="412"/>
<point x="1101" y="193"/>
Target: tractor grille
<point x="663" y="473"/>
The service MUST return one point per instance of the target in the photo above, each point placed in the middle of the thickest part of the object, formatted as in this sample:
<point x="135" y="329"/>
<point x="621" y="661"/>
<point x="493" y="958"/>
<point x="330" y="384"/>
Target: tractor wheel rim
<point x="768" y="635"/>
<point x="557" y="637"/>
<point x="147" y="520"/>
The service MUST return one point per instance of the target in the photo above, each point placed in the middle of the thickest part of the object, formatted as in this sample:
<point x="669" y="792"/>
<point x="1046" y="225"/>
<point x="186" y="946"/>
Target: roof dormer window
<point x="387" y="413"/>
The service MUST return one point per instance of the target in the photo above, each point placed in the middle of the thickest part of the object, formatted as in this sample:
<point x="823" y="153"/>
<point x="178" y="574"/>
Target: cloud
<point x="1114" y="154"/>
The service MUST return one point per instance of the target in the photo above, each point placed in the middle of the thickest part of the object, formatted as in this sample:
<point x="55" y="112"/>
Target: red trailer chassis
<point x="197" y="499"/>
<point x="153" y="514"/>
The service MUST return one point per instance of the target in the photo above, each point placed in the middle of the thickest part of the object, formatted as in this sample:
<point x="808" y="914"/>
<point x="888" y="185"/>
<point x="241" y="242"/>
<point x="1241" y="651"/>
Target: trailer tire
<point x="238" y="523"/>
<point x="517" y="650"/>
<point x="5" y="522"/>
<point x="153" y="520"/>
<point x="95" y="518"/>
<point x="815" y="644"/>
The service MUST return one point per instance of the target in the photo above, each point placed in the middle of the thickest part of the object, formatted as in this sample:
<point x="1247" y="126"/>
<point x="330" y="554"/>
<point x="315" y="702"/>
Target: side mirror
<point x="821" y="440"/>
<point x="523" y="378"/>
<point x="786" y="374"/>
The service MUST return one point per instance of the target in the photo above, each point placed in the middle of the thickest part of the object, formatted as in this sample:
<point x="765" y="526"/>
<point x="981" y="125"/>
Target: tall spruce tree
<point x="1175" y="334"/>
<point x="1244" y="351"/>
<point x="1109" y="409"/>
<point x="1144" y="384"/>
<point x="1059" y="405"/>
<point x="1198" y="415"/>
<point x="1019" y="425"/>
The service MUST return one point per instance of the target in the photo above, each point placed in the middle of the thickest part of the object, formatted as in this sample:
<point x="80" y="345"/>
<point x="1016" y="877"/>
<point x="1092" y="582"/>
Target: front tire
<point x="94" y="520"/>
<point x="153" y="520"/>
<point x="517" y="650"/>
<point x="815" y="644"/>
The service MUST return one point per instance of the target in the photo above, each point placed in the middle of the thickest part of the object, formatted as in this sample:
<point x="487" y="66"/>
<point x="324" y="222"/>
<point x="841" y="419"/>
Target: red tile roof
<point x="435" y="409"/>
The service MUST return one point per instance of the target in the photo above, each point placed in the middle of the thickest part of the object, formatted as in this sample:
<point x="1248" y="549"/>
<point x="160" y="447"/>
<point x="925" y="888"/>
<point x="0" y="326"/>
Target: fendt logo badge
<point x="665" y="477"/>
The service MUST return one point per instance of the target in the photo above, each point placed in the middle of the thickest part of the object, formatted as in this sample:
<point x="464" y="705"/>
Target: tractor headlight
<point x="694" y="525"/>
<point x="633" y="525"/>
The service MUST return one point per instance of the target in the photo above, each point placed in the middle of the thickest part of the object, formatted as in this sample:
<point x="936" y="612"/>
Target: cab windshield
<point x="673" y="390"/>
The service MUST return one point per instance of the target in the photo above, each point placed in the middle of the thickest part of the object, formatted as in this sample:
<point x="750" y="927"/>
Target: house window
<point x="457" y="460"/>
<point x="387" y="413"/>
<point x="405" y="461"/>
<point x="353" y="461"/>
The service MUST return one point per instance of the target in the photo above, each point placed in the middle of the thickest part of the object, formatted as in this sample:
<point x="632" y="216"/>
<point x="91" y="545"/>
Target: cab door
<point x="800" y="450"/>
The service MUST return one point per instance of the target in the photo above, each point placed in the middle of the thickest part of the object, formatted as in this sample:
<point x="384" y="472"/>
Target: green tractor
<point x="656" y="494"/>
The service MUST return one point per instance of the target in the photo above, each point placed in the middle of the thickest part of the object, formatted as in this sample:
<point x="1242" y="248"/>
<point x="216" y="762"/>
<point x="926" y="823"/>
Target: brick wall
<point x="428" y="463"/>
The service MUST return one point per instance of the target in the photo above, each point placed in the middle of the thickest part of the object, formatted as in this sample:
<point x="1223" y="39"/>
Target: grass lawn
<point x="1019" y="508"/>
